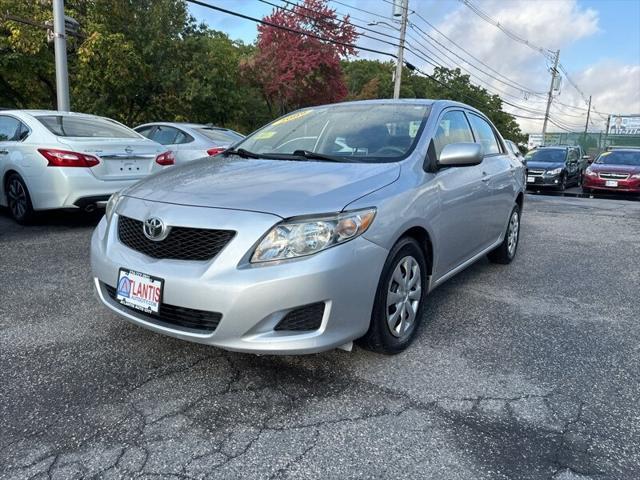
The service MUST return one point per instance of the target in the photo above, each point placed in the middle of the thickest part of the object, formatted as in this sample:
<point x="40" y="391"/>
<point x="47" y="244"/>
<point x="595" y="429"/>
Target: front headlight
<point x="111" y="205"/>
<point x="306" y="236"/>
<point x="590" y="173"/>
<point x="555" y="171"/>
<point x="637" y="175"/>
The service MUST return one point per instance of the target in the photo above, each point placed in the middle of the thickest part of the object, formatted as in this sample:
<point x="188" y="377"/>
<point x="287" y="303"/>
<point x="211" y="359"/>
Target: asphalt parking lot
<point x="528" y="371"/>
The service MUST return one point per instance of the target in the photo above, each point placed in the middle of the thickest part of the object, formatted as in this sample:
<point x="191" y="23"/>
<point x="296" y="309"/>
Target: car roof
<point x="181" y="124"/>
<point x="35" y="112"/>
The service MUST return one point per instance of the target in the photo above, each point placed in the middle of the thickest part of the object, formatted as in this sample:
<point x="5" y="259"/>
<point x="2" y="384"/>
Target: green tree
<point x="137" y="61"/>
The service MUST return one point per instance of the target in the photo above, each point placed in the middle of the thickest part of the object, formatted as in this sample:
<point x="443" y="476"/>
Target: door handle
<point x="4" y="152"/>
<point x="485" y="178"/>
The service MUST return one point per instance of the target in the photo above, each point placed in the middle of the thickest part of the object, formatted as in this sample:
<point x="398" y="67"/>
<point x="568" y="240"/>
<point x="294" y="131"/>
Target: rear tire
<point x="507" y="250"/>
<point x="18" y="199"/>
<point x="399" y="300"/>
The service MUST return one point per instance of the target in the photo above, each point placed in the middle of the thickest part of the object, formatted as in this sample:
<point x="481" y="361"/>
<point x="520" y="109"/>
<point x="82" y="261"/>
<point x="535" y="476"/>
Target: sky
<point x="599" y="43"/>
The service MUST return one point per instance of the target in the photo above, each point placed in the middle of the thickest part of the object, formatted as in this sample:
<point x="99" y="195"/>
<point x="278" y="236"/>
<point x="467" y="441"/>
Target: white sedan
<point x="52" y="160"/>
<point x="190" y="141"/>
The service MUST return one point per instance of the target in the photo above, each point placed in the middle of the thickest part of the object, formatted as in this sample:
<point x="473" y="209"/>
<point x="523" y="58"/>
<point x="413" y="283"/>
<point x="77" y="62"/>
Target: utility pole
<point x="554" y="73"/>
<point x="404" y="7"/>
<point x="60" y="45"/>
<point x="586" y="125"/>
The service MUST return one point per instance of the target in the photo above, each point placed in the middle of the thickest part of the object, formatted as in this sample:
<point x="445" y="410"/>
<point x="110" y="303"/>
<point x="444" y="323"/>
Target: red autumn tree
<point x="295" y="70"/>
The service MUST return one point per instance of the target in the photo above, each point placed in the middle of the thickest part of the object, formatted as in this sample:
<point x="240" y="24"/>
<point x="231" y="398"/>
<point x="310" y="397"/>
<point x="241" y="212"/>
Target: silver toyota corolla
<point x="329" y="225"/>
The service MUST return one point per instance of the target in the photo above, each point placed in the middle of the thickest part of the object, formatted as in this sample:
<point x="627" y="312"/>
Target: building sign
<point x="624" y="125"/>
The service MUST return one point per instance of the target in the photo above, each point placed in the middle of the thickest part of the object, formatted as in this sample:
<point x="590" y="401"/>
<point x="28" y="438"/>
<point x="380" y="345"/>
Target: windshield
<point x="547" y="155"/>
<point x="219" y="135"/>
<point x="619" y="157"/>
<point x="72" y="126"/>
<point x="362" y="133"/>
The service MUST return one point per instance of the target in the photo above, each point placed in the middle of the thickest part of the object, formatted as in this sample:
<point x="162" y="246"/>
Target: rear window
<point x="71" y="126"/>
<point x="216" y="135"/>
<point x="620" y="157"/>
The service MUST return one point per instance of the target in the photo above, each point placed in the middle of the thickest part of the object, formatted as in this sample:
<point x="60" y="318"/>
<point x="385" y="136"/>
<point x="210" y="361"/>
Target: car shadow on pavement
<point x="54" y="218"/>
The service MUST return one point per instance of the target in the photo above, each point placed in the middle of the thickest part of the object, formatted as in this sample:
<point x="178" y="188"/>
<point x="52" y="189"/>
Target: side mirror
<point x="590" y="160"/>
<point x="460" y="155"/>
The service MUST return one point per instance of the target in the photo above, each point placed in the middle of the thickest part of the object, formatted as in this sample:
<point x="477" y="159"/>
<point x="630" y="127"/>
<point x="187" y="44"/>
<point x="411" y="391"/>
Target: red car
<point x="614" y="171"/>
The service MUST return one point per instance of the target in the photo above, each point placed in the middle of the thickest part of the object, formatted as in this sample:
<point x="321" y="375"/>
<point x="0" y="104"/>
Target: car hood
<point x="544" y="165"/>
<point x="603" y="167"/>
<point x="280" y="187"/>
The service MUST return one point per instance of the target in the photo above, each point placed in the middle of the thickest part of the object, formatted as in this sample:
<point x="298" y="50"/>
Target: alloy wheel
<point x="512" y="234"/>
<point x="403" y="296"/>
<point x="17" y="197"/>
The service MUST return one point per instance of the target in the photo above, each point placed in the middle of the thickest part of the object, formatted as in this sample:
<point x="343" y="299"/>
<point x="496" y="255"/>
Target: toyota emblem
<point x="155" y="229"/>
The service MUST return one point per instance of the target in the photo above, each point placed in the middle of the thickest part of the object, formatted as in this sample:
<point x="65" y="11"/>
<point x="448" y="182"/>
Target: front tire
<point x="399" y="300"/>
<point x="506" y="252"/>
<point x="563" y="183"/>
<point x="18" y="199"/>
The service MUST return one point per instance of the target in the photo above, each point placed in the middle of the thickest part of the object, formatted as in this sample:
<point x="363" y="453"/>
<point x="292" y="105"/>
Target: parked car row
<point x="559" y="167"/>
<point x="53" y="160"/>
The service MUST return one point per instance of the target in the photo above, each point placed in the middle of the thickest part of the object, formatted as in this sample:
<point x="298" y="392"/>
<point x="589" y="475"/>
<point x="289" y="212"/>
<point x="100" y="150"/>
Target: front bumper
<point x="543" y="181"/>
<point x="629" y="185"/>
<point x="252" y="299"/>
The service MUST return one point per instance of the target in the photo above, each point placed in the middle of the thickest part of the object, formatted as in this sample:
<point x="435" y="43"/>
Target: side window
<point x="165" y="135"/>
<point x="9" y="129"/>
<point x="182" y="137"/>
<point x="573" y="155"/>
<point x="145" y="131"/>
<point x="452" y="128"/>
<point x="485" y="135"/>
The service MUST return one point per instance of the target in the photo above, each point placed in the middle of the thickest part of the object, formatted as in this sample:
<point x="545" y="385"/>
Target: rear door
<point x="498" y="171"/>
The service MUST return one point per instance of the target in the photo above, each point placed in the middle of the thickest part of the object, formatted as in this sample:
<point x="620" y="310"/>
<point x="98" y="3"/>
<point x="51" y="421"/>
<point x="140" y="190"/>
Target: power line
<point x="355" y="46"/>
<point x="543" y="51"/>
<point x="292" y="30"/>
<point x="326" y="23"/>
<point x="518" y="85"/>
<point x="453" y="62"/>
<point x="548" y="54"/>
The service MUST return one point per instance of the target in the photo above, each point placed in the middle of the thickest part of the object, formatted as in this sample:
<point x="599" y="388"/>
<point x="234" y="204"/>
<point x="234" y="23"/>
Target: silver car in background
<point x="190" y="141"/>
<point x="51" y="160"/>
<point x="340" y="239"/>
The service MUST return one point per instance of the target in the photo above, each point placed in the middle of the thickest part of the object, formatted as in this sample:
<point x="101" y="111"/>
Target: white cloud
<point x="548" y="24"/>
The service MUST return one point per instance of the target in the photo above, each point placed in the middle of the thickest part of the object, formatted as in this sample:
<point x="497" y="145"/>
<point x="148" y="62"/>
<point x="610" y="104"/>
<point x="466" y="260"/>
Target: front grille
<point x="614" y="176"/>
<point x="173" y="316"/>
<point x="182" y="243"/>
<point x="308" y="317"/>
<point x="535" y="173"/>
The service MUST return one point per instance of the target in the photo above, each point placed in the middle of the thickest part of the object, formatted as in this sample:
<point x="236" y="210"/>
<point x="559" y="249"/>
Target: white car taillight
<point x="66" y="158"/>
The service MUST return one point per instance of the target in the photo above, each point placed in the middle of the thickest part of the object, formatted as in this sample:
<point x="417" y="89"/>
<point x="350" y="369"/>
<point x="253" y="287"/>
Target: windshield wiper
<point x="241" y="152"/>
<point x="319" y="156"/>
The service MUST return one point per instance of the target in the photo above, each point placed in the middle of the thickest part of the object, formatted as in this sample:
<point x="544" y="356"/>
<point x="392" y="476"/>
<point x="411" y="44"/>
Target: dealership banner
<point x="624" y="125"/>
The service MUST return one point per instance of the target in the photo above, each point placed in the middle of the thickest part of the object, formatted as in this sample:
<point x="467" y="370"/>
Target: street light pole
<point x="60" y="45"/>
<point x="554" y="72"/>
<point x="404" y="5"/>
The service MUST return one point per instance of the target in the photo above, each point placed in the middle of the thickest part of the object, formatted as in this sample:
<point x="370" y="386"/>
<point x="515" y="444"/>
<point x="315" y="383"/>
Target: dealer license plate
<point x="531" y="179"/>
<point x="139" y="290"/>
<point x="610" y="183"/>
